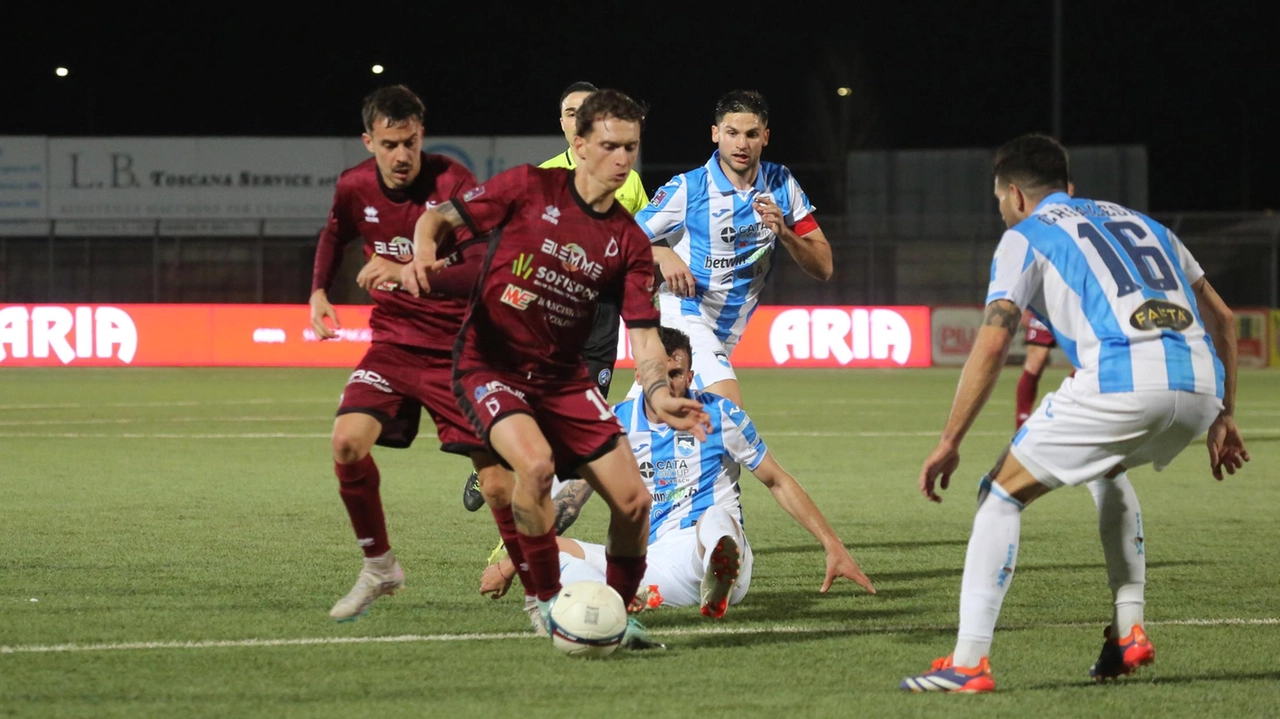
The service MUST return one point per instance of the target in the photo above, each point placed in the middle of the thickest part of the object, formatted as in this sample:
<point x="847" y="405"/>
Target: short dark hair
<point x="748" y="101"/>
<point x="1032" y="162"/>
<point x="396" y="103"/>
<point x="607" y="103"/>
<point x="580" y="86"/>
<point x="674" y="340"/>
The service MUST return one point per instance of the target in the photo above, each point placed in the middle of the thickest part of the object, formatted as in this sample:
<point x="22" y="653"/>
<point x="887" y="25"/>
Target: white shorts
<point x="1075" y="437"/>
<point x="674" y="565"/>
<point x="710" y="355"/>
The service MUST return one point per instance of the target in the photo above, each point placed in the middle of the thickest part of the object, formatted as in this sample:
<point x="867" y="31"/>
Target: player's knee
<point x="537" y="473"/>
<point x="496" y="485"/>
<point x="633" y="508"/>
<point x="348" y="447"/>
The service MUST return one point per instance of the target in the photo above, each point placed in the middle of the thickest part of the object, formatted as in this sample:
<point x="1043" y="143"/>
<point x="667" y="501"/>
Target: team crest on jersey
<point x="612" y="249"/>
<point x="685" y="444"/>
<point x="473" y="193"/>
<point x="603" y="378"/>
<point x="371" y="214"/>
<point x="1158" y="314"/>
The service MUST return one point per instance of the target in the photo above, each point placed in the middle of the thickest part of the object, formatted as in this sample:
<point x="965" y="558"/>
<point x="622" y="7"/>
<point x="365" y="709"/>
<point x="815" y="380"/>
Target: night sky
<point x="1199" y="89"/>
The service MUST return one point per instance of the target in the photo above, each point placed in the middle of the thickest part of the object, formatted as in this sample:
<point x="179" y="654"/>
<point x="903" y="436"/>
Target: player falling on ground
<point x="725" y="220"/>
<point x="560" y="241"/>
<point x="409" y="364"/>
<point x="1154" y="350"/>
<point x="602" y="346"/>
<point x="698" y="552"/>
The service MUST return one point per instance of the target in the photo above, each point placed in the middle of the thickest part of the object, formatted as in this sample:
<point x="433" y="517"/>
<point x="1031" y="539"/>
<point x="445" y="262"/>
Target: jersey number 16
<point x="1151" y="264"/>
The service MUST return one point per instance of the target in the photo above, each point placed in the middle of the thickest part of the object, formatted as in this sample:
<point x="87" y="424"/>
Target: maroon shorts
<point x="1041" y="337"/>
<point x="572" y="414"/>
<point x="393" y="383"/>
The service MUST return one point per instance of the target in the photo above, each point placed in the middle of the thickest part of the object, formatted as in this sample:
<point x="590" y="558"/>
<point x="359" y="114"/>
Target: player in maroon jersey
<point x="409" y="364"/>
<point x="559" y="243"/>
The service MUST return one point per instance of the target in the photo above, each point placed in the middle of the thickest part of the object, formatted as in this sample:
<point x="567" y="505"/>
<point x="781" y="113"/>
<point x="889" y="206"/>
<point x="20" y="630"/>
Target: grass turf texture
<point x="199" y="505"/>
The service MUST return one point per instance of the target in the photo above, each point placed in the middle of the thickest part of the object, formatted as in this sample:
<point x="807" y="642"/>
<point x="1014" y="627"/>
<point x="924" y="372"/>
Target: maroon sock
<point x="1028" y="386"/>
<point x="624" y="574"/>
<point x="358" y="484"/>
<point x="506" y="521"/>
<point x="543" y="557"/>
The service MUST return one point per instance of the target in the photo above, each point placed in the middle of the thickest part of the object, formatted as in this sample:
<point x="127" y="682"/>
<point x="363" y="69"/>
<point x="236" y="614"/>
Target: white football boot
<point x="380" y="577"/>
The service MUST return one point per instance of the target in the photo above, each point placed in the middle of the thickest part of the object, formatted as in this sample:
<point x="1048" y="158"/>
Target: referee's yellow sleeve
<point x="632" y="194"/>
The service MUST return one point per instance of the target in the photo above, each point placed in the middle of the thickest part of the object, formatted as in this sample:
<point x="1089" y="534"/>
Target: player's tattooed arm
<point x="431" y="227"/>
<point x="569" y="501"/>
<point x="653" y="374"/>
<point x="1004" y="314"/>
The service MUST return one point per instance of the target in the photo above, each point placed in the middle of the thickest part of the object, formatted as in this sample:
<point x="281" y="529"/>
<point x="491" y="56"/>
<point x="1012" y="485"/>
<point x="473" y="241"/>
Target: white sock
<point x="988" y="571"/>
<point x="1123" y="543"/>
<point x="714" y="524"/>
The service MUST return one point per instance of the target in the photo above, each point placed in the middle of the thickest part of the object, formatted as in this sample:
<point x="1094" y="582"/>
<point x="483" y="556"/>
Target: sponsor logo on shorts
<point x="494" y="385"/>
<point x="518" y="297"/>
<point x="1158" y="314"/>
<point x="493" y="406"/>
<point x="371" y="378"/>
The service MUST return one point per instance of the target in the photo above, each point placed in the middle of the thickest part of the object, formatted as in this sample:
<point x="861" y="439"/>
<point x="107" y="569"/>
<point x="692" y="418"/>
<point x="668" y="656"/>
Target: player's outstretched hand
<point x="941" y="463"/>
<point x="683" y="414"/>
<point x="413" y="276"/>
<point x="842" y="564"/>
<point x="770" y="214"/>
<point x="379" y="273"/>
<point x="1226" y="446"/>
<point x="493" y="582"/>
<point x="320" y="309"/>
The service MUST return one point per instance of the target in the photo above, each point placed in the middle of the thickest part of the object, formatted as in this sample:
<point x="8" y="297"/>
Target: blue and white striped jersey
<point x="1115" y="287"/>
<point x="729" y="250"/>
<point x="686" y="476"/>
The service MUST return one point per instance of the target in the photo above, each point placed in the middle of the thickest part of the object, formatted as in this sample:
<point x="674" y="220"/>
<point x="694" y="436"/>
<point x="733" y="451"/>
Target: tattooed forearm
<point x="450" y="213"/>
<point x="653" y="374"/>
<point x="569" y="501"/>
<point x="1003" y="313"/>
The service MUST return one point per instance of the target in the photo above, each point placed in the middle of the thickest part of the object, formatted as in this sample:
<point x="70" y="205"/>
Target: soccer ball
<point x="588" y="620"/>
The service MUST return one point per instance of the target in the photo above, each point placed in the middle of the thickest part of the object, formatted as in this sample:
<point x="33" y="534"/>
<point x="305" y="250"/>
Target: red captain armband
<point x="805" y="226"/>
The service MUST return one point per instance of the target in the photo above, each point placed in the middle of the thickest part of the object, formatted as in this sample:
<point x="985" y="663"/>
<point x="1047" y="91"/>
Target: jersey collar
<point x="568" y="157"/>
<point x="1054" y="198"/>
<point x="722" y="181"/>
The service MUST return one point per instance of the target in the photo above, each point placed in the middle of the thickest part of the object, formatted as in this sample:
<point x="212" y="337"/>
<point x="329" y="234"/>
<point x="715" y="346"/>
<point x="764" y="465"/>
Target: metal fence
<point x="882" y="259"/>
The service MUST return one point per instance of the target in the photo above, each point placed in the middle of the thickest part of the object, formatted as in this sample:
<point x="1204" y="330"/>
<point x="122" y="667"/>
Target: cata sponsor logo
<point x="67" y="333"/>
<point x="840" y="334"/>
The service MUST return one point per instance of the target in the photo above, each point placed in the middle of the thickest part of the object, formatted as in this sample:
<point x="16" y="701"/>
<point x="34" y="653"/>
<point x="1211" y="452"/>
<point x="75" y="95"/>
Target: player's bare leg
<point x="1029" y="384"/>
<point x="727" y="388"/>
<point x="616" y="477"/>
<point x="519" y="440"/>
<point x="354" y="435"/>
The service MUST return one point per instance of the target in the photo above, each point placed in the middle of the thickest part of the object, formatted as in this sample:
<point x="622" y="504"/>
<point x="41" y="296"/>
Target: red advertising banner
<point x="281" y="336"/>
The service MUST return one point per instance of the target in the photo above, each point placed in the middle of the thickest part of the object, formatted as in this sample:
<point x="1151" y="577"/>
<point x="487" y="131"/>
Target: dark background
<point x="1196" y="86"/>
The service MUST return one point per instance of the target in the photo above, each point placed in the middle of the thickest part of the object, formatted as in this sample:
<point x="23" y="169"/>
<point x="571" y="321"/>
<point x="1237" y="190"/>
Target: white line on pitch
<point x="173" y="403"/>
<point x="160" y="419"/>
<point x="498" y="636"/>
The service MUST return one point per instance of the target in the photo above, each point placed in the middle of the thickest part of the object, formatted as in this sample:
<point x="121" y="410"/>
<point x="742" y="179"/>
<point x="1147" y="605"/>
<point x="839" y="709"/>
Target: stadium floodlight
<point x="844" y="91"/>
<point x="377" y="69"/>
<point x="62" y="72"/>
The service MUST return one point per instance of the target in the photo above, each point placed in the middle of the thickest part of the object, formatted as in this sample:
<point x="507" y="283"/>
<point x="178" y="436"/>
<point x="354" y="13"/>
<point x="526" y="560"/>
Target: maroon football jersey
<point x="365" y="207"/>
<point x="550" y="258"/>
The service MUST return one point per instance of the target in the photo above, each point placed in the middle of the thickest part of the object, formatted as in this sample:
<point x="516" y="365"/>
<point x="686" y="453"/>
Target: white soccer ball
<point x="588" y="620"/>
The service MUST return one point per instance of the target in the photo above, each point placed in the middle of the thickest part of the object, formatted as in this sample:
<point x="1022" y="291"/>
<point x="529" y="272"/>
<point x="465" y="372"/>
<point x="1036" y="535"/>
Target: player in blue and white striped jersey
<point x="1154" y="350"/>
<point x="698" y="553"/>
<point x="716" y="229"/>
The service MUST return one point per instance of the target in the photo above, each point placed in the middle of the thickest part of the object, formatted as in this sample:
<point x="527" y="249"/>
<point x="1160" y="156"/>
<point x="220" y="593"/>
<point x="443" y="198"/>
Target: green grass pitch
<point x="141" y="510"/>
